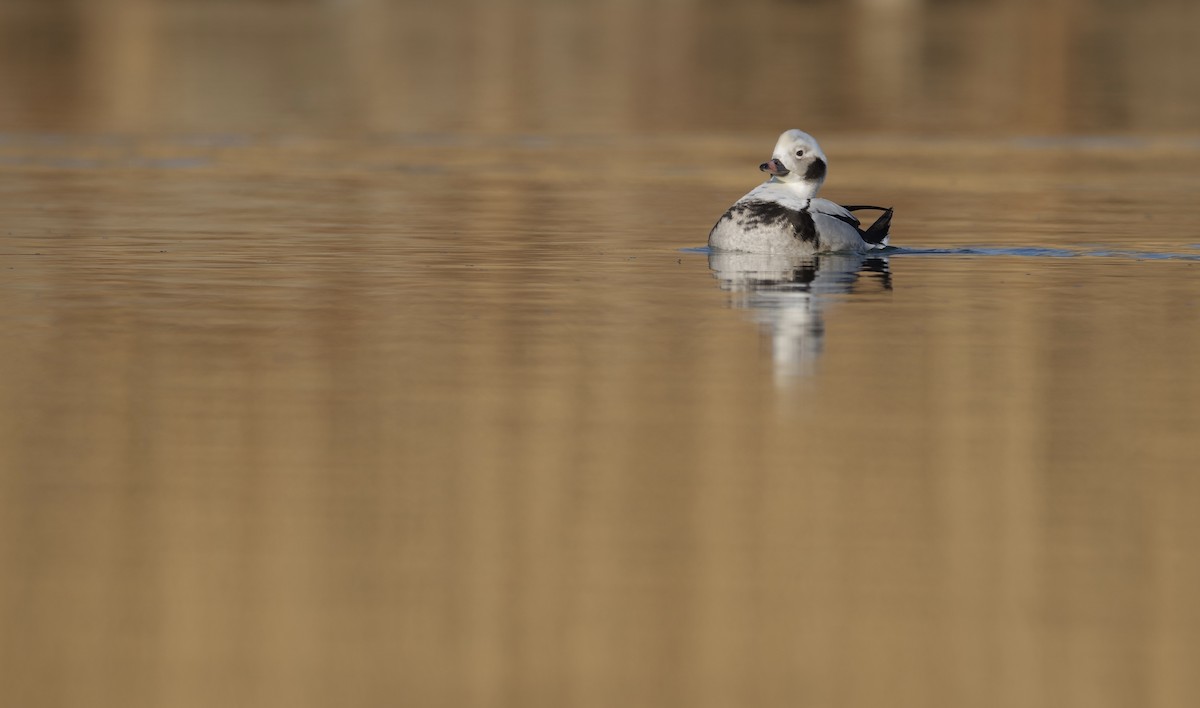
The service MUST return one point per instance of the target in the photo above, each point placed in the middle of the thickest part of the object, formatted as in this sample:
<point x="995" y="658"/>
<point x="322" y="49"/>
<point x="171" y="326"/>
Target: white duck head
<point x="797" y="162"/>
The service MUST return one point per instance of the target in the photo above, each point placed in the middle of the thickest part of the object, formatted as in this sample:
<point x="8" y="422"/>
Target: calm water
<point x="368" y="407"/>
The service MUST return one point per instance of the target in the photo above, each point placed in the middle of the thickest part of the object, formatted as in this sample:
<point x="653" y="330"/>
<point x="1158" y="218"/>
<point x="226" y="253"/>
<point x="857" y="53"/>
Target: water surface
<point x="374" y="407"/>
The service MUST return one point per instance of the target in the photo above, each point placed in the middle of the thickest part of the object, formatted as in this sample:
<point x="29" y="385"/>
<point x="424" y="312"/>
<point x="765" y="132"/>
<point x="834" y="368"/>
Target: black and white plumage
<point x="784" y="216"/>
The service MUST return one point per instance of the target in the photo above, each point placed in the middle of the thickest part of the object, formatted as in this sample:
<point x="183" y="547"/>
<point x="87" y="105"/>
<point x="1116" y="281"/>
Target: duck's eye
<point x="799" y="153"/>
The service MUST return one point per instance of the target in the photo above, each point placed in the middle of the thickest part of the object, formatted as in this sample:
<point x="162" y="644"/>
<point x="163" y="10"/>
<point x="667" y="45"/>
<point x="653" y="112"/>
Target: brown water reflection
<point x="300" y="405"/>
<point x="788" y="297"/>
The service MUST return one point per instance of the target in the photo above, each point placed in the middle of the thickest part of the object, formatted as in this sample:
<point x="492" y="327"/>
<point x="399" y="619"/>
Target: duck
<point x="784" y="216"/>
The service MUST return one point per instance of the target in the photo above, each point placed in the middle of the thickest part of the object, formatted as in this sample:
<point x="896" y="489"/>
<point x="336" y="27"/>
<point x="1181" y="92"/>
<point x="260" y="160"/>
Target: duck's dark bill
<point x="774" y="167"/>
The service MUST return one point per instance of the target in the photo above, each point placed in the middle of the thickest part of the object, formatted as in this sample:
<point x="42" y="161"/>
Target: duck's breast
<point x="764" y="226"/>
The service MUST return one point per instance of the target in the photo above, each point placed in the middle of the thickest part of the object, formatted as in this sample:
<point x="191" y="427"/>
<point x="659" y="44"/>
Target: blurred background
<point x="359" y="353"/>
<point x="661" y="66"/>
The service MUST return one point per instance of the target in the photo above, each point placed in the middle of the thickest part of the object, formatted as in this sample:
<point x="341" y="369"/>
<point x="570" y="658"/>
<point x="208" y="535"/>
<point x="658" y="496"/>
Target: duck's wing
<point x="837" y="211"/>
<point x="876" y="234"/>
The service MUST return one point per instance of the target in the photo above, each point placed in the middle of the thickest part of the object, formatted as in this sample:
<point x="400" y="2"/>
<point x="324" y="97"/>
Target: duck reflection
<point x="788" y="295"/>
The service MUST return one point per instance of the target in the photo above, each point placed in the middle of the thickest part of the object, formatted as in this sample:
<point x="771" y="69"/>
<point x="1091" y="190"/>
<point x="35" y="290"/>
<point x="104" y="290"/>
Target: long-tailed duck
<point x="783" y="215"/>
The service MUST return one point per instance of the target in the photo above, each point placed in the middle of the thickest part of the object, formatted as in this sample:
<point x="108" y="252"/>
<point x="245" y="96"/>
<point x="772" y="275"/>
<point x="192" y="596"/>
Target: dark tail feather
<point x="878" y="232"/>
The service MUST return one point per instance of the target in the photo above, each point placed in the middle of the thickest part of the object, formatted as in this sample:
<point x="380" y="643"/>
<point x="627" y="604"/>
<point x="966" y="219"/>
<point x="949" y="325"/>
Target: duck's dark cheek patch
<point x="816" y="170"/>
